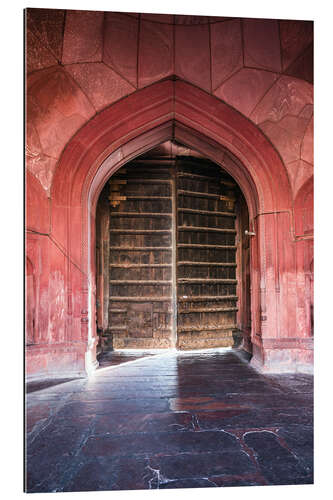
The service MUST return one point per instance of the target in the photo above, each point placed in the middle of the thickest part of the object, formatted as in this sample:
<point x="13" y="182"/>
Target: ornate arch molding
<point x="185" y="105"/>
<point x="170" y="109"/>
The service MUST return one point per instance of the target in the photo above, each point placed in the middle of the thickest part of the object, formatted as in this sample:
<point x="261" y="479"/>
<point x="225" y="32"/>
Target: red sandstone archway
<point x="173" y="109"/>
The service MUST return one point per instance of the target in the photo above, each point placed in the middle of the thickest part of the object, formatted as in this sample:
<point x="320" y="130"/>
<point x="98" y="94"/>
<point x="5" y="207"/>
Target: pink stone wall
<point x="79" y="63"/>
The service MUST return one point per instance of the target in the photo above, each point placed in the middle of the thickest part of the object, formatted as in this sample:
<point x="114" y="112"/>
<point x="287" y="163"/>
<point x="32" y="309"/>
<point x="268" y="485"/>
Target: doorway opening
<point x="172" y="256"/>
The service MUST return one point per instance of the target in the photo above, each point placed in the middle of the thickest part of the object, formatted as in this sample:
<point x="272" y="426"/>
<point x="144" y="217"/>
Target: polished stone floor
<point x="173" y="420"/>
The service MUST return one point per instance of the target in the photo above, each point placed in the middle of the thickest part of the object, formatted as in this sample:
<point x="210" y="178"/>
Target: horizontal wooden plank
<point x="206" y="229"/>
<point x="206" y="298"/>
<point x="139" y="249"/>
<point x="206" y="280"/>
<point x="140" y="214"/>
<point x="140" y="282"/>
<point x="207" y="212"/>
<point x="143" y="197"/>
<point x="121" y="298"/>
<point x="115" y="196"/>
<point x="140" y="180"/>
<point x="208" y="310"/>
<point x="197" y="194"/>
<point x="200" y="328"/>
<point x="227" y="198"/>
<point x="119" y="311"/>
<point x="129" y="266"/>
<point x="197" y="245"/>
<point x="203" y="177"/>
<point x="215" y="264"/>
<point x="226" y="182"/>
<point x="116" y="182"/>
<point x="140" y="231"/>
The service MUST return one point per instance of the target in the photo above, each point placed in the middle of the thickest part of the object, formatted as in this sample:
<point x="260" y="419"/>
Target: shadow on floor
<point x="114" y="358"/>
<point x="39" y="385"/>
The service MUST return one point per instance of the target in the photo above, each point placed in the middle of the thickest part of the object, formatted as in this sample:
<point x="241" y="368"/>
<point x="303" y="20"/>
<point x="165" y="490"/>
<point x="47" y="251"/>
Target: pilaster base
<point x="288" y="355"/>
<point x="63" y="360"/>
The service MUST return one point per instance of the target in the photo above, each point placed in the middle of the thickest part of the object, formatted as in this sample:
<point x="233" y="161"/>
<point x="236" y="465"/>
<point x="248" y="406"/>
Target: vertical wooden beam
<point x="174" y="255"/>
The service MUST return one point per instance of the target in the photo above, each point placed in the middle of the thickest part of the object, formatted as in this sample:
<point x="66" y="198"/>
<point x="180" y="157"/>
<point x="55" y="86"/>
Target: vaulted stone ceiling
<point x="79" y="62"/>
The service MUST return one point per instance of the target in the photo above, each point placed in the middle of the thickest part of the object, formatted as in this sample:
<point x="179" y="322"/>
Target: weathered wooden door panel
<point x="141" y="257"/>
<point x="206" y="264"/>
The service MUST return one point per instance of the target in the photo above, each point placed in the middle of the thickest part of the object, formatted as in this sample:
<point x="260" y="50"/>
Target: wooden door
<point x="206" y="255"/>
<point x="172" y="255"/>
<point x="141" y="238"/>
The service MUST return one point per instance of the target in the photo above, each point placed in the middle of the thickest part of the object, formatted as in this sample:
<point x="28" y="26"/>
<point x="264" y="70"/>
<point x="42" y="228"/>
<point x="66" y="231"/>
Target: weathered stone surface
<point x="60" y="438"/>
<point x="278" y="465"/>
<point x="92" y="476"/>
<point x="48" y="26"/>
<point x="262" y="44"/>
<point x="116" y="474"/>
<point x="155" y="422"/>
<point x="251" y="418"/>
<point x="304" y="226"/>
<point x="295" y="37"/>
<point x="42" y="167"/>
<point x="192" y="54"/>
<point x="57" y="108"/>
<point x="121" y="44"/>
<point x="300" y="440"/>
<point x="161" y="442"/>
<point x="299" y="172"/>
<point x="286" y="135"/>
<point x="156" y="51"/>
<point x="37" y="56"/>
<point x="244" y="90"/>
<point x="302" y="67"/>
<point x="236" y="480"/>
<point x="116" y="443"/>
<point x="187" y="483"/>
<point x="181" y="466"/>
<point x="77" y="408"/>
<point x="191" y="20"/>
<point x="83" y="37"/>
<point x="158" y="18"/>
<point x="37" y="414"/>
<point x="219" y="19"/>
<point x="288" y="96"/>
<point x="100" y="84"/>
<point x="307" y="144"/>
<point x="226" y="50"/>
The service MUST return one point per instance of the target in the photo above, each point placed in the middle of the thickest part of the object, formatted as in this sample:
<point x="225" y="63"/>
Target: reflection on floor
<point x="173" y="420"/>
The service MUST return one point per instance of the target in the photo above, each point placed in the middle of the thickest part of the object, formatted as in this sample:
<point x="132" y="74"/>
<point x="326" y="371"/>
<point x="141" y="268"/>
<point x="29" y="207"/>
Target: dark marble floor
<point x="177" y="420"/>
<point x="115" y="358"/>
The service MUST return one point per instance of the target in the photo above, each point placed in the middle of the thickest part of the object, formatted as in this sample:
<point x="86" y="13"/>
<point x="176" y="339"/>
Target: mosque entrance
<point x="171" y="254"/>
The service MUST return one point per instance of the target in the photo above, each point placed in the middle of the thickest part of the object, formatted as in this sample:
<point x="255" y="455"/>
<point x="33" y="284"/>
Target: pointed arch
<point x="173" y="109"/>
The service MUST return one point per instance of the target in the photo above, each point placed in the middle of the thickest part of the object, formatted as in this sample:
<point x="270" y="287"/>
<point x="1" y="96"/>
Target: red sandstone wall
<point x="82" y="62"/>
